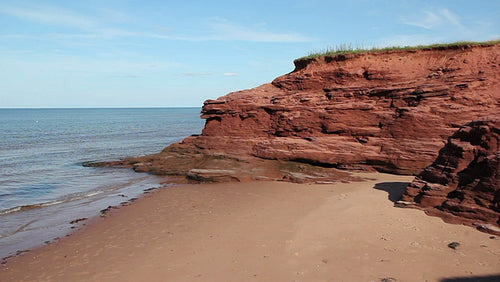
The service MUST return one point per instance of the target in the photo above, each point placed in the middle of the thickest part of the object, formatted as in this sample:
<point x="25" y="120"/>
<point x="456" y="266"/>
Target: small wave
<point x="71" y="197"/>
<point x="29" y="207"/>
<point x="11" y="210"/>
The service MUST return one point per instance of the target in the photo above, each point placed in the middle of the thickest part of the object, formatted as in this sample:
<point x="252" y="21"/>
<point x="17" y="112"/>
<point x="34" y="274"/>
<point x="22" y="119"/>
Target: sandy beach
<point x="265" y="231"/>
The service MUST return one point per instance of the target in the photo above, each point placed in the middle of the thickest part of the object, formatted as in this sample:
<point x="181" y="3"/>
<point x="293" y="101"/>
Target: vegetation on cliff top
<point x="349" y="48"/>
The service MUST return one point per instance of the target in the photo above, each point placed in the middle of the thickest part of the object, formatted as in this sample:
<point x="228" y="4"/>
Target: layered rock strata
<point x="463" y="183"/>
<point x="390" y="111"/>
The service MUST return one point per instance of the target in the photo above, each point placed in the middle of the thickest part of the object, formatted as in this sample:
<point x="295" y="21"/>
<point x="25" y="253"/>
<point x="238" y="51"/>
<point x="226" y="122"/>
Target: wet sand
<point x="265" y="231"/>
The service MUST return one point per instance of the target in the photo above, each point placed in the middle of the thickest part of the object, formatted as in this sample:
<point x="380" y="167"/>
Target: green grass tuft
<point x="356" y="49"/>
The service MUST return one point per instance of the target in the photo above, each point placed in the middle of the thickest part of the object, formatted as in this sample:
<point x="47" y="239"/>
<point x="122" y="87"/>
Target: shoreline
<point x="37" y="225"/>
<point x="264" y="231"/>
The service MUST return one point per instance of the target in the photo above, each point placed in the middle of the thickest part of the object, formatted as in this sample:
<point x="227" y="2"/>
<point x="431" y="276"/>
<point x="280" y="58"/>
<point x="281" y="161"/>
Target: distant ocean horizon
<point x="94" y="108"/>
<point x="43" y="185"/>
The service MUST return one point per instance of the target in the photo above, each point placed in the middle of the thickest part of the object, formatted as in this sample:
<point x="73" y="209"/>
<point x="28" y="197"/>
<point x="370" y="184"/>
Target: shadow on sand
<point x="395" y="189"/>
<point x="491" y="278"/>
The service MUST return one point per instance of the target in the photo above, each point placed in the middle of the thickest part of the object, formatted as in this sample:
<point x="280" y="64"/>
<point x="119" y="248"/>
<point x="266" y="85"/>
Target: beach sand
<point x="265" y="231"/>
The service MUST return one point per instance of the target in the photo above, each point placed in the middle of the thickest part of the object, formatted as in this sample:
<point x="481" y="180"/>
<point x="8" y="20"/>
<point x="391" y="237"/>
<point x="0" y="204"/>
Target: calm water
<point x="43" y="185"/>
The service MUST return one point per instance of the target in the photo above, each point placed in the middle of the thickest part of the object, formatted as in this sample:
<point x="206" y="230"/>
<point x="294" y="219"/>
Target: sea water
<point x="43" y="185"/>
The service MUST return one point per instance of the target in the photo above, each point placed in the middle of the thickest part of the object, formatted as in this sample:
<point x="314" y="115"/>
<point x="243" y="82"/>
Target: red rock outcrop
<point x="387" y="110"/>
<point x="390" y="111"/>
<point x="463" y="183"/>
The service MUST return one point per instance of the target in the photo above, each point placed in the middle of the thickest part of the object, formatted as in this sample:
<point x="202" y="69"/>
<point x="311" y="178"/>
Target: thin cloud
<point x="127" y="76"/>
<point x="194" y="74"/>
<point x="231" y="74"/>
<point x="443" y="25"/>
<point x="224" y="30"/>
<point x="113" y="15"/>
<point x="219" y="33"/>
<point x="432" y="20"/>
<point x="216" y="29"/>
<point x="409" y="40"/>
<point x="58" y="63"/>
<point x="48" y="15"/>
<point x="451" y="17"/>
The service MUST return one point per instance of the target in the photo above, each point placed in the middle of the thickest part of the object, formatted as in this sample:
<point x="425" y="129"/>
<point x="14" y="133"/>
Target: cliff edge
<point x="390" y="111"/>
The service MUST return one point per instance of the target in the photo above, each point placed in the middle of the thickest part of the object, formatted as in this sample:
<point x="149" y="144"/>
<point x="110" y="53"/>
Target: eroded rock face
<point x="463" y="183"/>
<point x="390" y="111"/>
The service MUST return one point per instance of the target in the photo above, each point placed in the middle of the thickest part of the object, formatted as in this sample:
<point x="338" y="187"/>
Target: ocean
<point x="43" y="185"/>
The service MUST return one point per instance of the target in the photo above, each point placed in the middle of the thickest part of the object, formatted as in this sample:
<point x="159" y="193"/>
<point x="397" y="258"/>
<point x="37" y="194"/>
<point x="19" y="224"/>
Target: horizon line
<point x="125" y="107"/>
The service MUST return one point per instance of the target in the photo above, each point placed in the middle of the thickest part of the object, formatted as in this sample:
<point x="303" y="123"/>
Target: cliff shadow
<point x="491" y="278"/>
<point x="395" y="189"/>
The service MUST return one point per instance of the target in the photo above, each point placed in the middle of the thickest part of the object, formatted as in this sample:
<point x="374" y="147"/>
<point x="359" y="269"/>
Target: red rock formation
<point x="463" y="183"/>
<point x="388" y="110"/>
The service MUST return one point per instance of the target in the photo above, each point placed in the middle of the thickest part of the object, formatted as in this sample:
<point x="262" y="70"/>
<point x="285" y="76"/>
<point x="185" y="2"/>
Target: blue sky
<point x="103" y="53"/>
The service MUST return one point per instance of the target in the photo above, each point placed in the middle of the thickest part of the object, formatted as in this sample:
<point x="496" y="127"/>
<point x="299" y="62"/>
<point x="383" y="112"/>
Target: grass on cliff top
<point x="356" y="49"/>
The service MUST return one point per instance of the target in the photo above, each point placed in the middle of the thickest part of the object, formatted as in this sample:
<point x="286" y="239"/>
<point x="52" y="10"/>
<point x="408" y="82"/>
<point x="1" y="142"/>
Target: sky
<point x="105" y="53"/>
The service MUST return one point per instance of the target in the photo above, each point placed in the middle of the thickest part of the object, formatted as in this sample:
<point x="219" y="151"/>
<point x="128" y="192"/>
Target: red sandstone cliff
<point x="391" y="111"/>
<point x="388" y="110"/>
